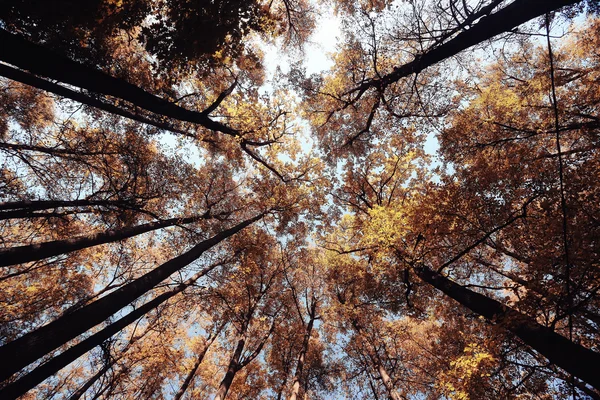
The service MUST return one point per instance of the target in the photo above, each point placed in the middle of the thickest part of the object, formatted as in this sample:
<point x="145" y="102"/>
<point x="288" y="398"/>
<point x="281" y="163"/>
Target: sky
<point x="316" y="59"/>
<point x="321" y="44"/>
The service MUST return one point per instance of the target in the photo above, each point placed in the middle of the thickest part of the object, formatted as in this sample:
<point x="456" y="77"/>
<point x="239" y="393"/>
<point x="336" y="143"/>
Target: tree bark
<point x="42" y="341"/>
<point x="573" y="358"/>
<point x="16" y="214"/>
<point x="232" y="369"/>
<point x="37" y="205"/>
<point x="58" y="151"/>
<point x="387" y="382"/>
<point x="372" y="353"/>
<point x="39" y="251"/>
<point x="31" y="80"/>
<point x="302" y="356"/>
<point x="503" y="20"/>
<point x="26" y="55"/>
<point x="190" y="376"/>
<point x="28" y="208"/>
<point x="54" y="365"/>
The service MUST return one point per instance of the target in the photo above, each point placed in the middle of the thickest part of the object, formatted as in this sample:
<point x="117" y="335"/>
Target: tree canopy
<point x="179" y="219"/>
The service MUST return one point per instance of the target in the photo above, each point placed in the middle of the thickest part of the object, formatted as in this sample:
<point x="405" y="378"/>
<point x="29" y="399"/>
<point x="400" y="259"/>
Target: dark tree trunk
<point x="88" y="384"/>
<point x="190" y="376"/>
<point x="58" y="152"/>
<point x="36" y="205"/>
<point x="42" y="341"/>
<point x="573" y="358"/>
<point x="503" y="20"/>
<point x="232" y="369"/>
<point x="51" y="367"/>
<point x="27" y="55"/>
<point x="39" y="251"/>
<point x="31" y="80"/>
<point x="303" y="351"/>
<point x="15" y="214"/>
<point x="28" y="208"/>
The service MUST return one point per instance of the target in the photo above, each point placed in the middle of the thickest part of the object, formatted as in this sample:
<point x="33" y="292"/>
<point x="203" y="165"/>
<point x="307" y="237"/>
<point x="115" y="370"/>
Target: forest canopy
<point x="182" y="219"/>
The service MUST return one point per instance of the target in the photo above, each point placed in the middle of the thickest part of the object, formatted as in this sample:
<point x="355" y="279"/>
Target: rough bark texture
<point x="573" y="358"/>
<point x="40" y="342"/>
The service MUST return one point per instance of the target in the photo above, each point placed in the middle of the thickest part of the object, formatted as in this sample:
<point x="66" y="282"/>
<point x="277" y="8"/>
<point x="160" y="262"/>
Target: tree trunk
<point x="28" y="208"/>
<point x="36" y="205"/>
<point x="39" y="251"/>
<point x="58" y="152"/>
<point x="54" y="365"/>
<point x="32" y="80"/>
<point x="372" y="353"/>
<point x="42" y="341"/>
<point x="387" y="382"/>
<point x="88" y="384"/>
<point x="232" y="369"/>
<point x="302" y="356"/>
<point x="503" y="20"/>
<point x="573" y="358"/>
<point x="190" y="376"/>
<point x="15" y="214"/>
<point x="26" y="55"/>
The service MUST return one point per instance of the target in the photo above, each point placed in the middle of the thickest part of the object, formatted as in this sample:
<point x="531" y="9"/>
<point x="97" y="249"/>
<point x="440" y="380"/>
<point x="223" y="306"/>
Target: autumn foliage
<point x="178" y="220"/>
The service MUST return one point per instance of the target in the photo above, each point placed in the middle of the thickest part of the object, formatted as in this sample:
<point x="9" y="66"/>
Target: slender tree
<point x="199" y="358"/>
<point x="23" y="384"/>
<point x="39" y="251"/>
<point x="36" y="344"/>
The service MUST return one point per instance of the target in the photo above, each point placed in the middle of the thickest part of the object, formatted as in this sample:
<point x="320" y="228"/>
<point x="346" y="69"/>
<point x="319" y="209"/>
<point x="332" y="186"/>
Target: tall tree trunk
<point x="90" y="382"/>
<point x="503" y="20"/>
<point x="15" y="214"/>
<point x="387" y="381"/>
<point x="42" y="341"/>
<point x="39" y="251"/>
<point x="36" y="205"/>
<point x="58" y="152"/>
<point x="573" y="358"/>
<point x="54" y="365"/>
<point x="32" y="80"/>
<point x="27" y="208"/>
<point x="26" y="55"/>
<point x="190" y="376"/>
<point x="383" y="374"/>
<point x="232" y="369"/>
<point x="303" y="351"/>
